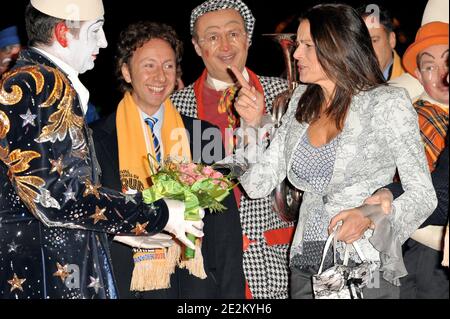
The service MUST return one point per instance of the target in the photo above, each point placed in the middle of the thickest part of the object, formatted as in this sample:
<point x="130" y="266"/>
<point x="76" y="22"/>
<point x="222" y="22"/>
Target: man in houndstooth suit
<point x="221" y="33"/>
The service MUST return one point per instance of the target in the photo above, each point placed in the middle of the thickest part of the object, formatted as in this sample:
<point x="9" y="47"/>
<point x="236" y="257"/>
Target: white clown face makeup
<point x="83" y="50"/>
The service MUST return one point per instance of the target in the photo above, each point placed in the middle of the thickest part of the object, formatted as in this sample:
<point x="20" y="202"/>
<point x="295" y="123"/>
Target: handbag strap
<point x="331" y="238"/>
<point x="358" y="251"/>
<point x="327" y="247"/>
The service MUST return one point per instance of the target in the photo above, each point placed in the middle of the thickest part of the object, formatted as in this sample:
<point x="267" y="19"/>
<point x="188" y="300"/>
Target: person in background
<point x="381" y="30"/>
<point x="9" y="47"/>
<point x="222" y="32"/>
<point x="435" y="10"/>
<point x="427" y="60"/>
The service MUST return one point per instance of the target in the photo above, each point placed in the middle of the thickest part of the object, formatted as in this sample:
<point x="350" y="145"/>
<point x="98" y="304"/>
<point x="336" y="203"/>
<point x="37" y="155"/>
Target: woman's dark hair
<point x="135" y="36"/>
<point x="345" y="52"/>
<point x="40" y="26"/>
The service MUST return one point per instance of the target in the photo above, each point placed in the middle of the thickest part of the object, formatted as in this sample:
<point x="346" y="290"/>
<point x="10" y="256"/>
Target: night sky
<point x="264" y="57"/>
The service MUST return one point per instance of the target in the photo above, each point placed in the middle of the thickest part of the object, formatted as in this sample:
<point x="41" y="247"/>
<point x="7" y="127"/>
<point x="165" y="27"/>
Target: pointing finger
<point x="242" y="81"/>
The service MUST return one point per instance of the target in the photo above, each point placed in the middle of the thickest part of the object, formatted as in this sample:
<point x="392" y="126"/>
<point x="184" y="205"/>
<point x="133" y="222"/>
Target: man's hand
<point x="384" y="197"/>
<point x="249" y="103"/>
<point x="178" y="226"/>
<point x="354" y="225"/>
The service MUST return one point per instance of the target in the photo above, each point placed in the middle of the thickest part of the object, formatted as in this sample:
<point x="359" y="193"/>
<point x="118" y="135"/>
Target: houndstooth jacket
<point x="380" y="134"/>
<point x="265" y="267"/>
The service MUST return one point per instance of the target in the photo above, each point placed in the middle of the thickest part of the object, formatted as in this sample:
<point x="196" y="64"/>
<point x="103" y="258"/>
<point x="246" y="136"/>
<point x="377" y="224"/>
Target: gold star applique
<point x="99" y="215"/>
<point x="57" y="166"/>
<point x="91" y="189"/>
<point x="16" y="283"/>
<point x="140" y="229"/>
<point x="61" y="272"/>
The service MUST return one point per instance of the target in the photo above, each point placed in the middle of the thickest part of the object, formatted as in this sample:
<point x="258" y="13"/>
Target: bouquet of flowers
<point x="197" y="185"/>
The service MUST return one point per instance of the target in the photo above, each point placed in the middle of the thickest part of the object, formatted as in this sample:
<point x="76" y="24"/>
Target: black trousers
<point x="426" y="279"/>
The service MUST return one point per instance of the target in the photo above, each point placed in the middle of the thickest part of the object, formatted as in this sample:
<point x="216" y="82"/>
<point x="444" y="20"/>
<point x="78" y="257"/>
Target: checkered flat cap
<point x="215" y="5"/>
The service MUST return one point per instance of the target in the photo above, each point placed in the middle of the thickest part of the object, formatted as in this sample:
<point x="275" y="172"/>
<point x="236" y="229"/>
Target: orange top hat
<point x="429" y="34"/>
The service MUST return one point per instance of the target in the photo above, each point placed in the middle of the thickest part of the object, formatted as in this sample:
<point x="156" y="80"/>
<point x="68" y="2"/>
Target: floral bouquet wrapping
<point x="198" y="186"/>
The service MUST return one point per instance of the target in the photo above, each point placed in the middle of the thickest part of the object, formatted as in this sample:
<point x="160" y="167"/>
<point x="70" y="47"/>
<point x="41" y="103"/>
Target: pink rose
<point x="199" y="177"/>
<point x="217" y="175"/>
<point x="186" y="179"/>
<point x="184" y="169"/>
<point x="208" y="171"/>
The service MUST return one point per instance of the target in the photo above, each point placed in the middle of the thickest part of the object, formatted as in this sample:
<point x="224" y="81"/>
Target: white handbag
<point x="342" y="281"/>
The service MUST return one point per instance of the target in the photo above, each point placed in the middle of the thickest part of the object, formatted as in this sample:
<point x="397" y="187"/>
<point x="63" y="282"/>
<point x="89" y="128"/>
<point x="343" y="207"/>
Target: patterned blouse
<point x="314" y="165"/>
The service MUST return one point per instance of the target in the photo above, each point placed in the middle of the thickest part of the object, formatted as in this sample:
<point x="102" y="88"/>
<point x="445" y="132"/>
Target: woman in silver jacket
<point x="343" y="136"/>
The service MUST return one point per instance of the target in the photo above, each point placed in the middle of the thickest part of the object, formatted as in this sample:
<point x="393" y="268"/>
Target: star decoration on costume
<point x="57" y="165"/>
<point x="69" y="195"/>
<point x="16" y="283"/>
<point x="99" y="215"/>
<point x="62" y="272"/>
<point x="91" y="189"/>
<point x="140" y="229"/>
<point x="13" y="247"/>
<point x="130" y="198"/>
<point x="95" y="283"/>
<point x="28" y="118"/>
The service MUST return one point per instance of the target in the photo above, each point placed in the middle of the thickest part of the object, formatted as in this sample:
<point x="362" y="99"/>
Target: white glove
<point x="146" y="242"/>
<point x="178" y="226"/>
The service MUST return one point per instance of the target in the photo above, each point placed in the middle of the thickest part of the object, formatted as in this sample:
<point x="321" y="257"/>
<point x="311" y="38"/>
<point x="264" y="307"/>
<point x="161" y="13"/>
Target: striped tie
<point x="151" y="123"/>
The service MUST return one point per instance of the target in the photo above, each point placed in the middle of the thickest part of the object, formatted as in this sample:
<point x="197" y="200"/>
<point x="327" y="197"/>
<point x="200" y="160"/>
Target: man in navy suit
<point x="148" y="65"/>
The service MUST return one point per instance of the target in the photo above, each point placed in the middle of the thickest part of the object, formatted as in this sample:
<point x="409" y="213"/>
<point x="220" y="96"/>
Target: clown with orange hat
<point x="427" y="60"/>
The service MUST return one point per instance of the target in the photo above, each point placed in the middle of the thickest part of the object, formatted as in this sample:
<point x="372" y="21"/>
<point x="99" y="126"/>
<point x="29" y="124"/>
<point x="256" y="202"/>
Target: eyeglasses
<point x="433" y="68"/>
<point x="213" y="39"/>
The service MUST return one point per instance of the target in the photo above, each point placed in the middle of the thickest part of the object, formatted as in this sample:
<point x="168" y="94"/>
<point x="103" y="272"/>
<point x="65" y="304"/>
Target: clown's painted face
<point x="432" y="69"/>
<point x="222" y="41"/>
<point x="85" y="48"/>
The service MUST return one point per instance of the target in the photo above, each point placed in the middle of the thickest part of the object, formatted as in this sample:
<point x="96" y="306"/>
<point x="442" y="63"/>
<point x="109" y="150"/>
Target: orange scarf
<point x="153" y="266"/>
<point x="132" y="131"/>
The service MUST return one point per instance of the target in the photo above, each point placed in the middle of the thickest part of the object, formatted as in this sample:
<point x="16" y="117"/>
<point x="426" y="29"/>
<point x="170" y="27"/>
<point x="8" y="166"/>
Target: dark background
<point x="264" y="57"/>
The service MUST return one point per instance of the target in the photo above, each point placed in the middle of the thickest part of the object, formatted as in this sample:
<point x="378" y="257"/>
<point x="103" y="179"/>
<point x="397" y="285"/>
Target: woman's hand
<point x="354" y="225"/>
<point x="249" y="103"/>
<point x="382" y="196"/>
